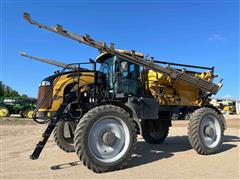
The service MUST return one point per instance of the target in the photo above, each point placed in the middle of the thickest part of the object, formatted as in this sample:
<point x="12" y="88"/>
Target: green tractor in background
<point x="17" y="105"/>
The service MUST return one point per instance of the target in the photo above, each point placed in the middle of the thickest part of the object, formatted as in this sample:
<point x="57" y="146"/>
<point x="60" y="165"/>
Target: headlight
<point x="45" y="83"/>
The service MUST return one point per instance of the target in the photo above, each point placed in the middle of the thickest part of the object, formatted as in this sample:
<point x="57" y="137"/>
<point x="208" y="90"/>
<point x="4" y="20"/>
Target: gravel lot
<point x="174" y="159"/>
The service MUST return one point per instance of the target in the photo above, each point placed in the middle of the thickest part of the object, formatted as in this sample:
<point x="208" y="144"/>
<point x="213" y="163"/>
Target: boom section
<point x="48" y="61"/>
<point x="204" y="85"/>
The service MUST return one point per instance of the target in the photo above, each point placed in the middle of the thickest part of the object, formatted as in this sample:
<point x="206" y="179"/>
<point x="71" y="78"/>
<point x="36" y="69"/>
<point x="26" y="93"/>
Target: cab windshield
<point x="122" y="77"/>
<point x="107" y="67"/>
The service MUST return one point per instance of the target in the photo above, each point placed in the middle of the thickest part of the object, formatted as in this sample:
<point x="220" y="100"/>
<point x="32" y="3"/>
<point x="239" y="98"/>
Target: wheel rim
<point x="109" y="139"/>
<point x="30" y="114"/>
<point x="210" y="131"/>
<point x="3" y="112"/>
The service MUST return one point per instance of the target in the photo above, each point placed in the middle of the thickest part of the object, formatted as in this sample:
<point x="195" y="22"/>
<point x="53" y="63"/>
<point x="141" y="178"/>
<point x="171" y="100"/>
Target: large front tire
<point x="64" y="135"/>
<point x="205" y="131"/>
<point x="105" y="138"/>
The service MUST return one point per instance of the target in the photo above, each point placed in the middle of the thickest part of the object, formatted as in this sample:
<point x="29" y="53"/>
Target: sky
<point x="204" y="33"/>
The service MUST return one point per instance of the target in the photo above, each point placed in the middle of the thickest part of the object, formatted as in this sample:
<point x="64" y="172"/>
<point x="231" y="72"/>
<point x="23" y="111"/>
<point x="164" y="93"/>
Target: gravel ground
<point x="174" y="159"/>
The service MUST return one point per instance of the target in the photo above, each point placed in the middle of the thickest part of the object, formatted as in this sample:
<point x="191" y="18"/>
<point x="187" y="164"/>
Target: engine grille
<point x="42" y="92"/>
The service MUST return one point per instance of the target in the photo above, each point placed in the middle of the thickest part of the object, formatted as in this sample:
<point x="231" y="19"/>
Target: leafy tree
<point x="6" y="91"/>
<point x="14" y="93"/>
<point x="24" y="96"/>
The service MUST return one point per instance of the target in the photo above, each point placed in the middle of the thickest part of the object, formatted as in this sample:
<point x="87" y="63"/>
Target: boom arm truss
<point x="204" y="85"/>
<point x="48" y="61"/>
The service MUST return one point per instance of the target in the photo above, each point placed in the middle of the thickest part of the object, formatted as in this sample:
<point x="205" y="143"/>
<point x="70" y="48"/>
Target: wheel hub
<point x="30" y="114"/>
<point x="209" y="131"/>
<point x="3" y="112"/>
<point x="108" y="138"/>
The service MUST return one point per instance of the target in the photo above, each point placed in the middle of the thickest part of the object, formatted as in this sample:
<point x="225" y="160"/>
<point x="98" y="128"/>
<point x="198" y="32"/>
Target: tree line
<point x="6" y="91"/>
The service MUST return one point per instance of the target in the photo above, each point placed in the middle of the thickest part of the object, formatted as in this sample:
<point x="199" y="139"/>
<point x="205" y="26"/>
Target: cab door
<point x="128" y="78"/>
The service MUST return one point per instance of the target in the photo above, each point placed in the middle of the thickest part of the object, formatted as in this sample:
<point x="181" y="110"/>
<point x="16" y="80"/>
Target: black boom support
<point x="56" y="117"/>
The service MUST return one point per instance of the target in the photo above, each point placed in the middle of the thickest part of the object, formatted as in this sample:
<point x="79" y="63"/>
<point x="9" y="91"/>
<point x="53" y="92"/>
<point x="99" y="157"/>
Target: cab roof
<point x="104" y="55"/>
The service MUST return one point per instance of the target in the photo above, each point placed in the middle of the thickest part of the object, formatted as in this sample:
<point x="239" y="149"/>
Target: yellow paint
<point x="41" y="139"/>
<point x="30" y="114"/>
<point x="64" y="80"/>
<point x="167" y="91"/>
<point x="3" y="112"/>
<point x="174" y="93"/>
<point x="228" y="108"/>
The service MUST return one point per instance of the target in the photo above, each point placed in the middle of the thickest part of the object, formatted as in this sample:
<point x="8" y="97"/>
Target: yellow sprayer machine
<point x="98" y="113"/>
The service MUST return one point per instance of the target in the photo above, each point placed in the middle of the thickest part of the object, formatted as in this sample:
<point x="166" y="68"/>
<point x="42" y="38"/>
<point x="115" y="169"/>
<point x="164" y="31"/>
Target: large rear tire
<point x="105" y="138"/>
<point x="206" y="131"/>
<point x="64" y="135"/>
<point x="155" y="131"/>
<point x="23" y="113"/>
